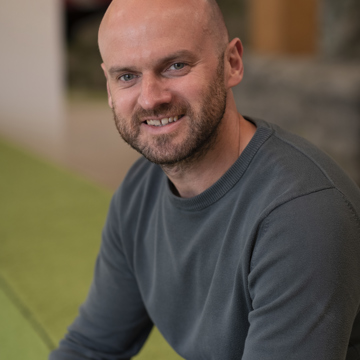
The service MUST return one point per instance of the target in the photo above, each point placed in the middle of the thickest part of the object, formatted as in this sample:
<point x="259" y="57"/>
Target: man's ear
<point x="107" y="86"/>
<point x="234" y="61"/>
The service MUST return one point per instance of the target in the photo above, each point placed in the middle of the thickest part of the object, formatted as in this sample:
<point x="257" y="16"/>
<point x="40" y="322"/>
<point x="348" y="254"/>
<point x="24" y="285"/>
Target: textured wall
<point x="319" y="101"/>
<point x="340" y="28"/>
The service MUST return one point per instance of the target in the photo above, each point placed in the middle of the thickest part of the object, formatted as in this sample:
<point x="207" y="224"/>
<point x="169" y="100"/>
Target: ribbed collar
<point x="230" y="178"/>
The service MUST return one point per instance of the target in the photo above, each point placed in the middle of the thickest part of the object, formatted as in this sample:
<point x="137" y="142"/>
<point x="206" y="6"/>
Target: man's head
<point x="206" y="14"/>
<point x="165" y="59"/>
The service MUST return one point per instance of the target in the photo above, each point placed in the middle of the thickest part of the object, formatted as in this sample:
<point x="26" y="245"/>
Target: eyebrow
<point x="179" y="54"/>
<point x="168" y="59"/>
<point x="117" y="69"/>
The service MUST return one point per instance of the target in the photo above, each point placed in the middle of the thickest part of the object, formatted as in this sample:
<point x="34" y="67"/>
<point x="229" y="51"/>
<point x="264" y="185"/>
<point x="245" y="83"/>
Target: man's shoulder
<point x="297" y="154"/>
<point x="288" y="166"/>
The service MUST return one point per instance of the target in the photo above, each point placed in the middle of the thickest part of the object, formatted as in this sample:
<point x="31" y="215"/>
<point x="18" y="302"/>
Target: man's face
<point x="166" y="84"/>
<point x="198" y="134"/>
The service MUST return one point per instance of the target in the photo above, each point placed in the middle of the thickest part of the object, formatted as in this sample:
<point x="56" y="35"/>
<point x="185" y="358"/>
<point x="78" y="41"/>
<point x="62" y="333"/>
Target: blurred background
<point x="61" y="156"/>
<point x="302" y="71"/>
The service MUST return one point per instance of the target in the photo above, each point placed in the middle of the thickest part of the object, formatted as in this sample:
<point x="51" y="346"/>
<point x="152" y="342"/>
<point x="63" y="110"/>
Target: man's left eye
<point x="127" y="77"/>
<point x="177" y="66"/>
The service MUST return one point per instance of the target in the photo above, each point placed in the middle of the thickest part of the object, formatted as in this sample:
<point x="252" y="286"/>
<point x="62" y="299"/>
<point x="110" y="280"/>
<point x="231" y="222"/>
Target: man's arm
<point x="304" y="280"/>
<point x="112" y="323"/>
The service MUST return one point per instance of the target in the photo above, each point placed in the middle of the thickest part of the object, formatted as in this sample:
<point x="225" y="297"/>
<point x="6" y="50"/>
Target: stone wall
<point x="317" y="100"/>
<point x="340" y="29"/>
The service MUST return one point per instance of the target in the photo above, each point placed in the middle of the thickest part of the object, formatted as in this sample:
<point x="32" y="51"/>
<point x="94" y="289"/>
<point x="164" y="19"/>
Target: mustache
<point x="163" y="110"/>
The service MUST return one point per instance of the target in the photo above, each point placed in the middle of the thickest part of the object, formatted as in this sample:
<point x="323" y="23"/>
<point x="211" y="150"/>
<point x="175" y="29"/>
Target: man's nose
<point x="153" y="92"/>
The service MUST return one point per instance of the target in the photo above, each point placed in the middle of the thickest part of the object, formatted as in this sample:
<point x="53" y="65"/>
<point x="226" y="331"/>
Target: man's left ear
<point x="234" y="63"/>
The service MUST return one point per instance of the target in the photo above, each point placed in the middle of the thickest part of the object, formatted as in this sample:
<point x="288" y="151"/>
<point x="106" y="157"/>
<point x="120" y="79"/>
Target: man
<point x="235" y="238"/>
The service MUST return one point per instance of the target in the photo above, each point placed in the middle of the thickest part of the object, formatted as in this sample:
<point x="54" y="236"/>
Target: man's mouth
<point x="164" y="121"/>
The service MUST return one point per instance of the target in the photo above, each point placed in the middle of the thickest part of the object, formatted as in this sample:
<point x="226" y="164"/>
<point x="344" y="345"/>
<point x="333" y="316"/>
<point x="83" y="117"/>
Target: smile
<point x="163" y="121"/>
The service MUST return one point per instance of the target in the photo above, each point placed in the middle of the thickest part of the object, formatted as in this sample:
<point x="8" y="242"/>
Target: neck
<point x="193" y="177"/>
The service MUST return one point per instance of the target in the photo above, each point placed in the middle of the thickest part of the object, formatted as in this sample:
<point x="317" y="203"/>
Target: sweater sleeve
<point x="304" y="280"/>
<point x="113" y="323"/>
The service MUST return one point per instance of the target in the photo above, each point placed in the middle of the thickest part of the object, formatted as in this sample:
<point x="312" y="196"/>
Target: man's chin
<point x="162" y="159"/>
<point x="176" y="157"/>
<point x="164" y="151"/>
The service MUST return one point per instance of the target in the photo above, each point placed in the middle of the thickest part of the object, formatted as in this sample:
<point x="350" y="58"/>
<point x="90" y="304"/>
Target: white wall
<point x="31" y="73"/>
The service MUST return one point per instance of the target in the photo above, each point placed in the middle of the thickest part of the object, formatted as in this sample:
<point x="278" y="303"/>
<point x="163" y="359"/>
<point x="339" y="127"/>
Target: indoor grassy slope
<point x="50" y="227"/>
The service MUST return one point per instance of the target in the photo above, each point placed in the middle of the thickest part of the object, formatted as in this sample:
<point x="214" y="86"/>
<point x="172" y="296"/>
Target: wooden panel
<point x="283" y="26"/>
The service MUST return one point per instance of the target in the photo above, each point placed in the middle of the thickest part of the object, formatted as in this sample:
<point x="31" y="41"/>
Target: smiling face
<point x="176" y="131"/>
<point x="165" y="77"/>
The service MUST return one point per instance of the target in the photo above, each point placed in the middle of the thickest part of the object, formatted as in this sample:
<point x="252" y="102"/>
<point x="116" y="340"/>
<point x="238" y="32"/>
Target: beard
<point x="202" y="128"/>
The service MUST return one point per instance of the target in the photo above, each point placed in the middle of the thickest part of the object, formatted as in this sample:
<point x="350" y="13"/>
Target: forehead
<point x="141" y="31"/>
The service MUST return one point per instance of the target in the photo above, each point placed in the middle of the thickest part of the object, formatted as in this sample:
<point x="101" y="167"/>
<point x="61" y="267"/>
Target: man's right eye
<point x="127" y="77"/>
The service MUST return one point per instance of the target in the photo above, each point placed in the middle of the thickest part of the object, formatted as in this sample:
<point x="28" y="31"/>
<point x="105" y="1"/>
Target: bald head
<point x="205" y="14"/>
<point x="216" y="24"/>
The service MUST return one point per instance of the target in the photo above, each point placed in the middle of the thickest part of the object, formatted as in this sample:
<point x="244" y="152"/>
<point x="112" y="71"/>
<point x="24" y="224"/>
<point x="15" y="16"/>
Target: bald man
<point x="235" y="238"/>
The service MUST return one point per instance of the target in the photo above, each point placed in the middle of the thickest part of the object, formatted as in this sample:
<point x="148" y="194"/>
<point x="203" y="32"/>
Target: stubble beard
<point x="202" y="132"/>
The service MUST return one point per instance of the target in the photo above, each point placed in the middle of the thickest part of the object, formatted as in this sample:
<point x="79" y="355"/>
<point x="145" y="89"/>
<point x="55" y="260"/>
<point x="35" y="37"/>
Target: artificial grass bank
<point x="50" y="228"/>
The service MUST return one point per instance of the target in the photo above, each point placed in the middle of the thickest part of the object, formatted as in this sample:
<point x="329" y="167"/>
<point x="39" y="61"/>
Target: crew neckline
<point x="216" y="191"/>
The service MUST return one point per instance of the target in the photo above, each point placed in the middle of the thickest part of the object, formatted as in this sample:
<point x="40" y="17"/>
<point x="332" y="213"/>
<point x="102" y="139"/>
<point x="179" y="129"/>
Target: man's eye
<point x="177" y="66"/>
<point x="127" y="77"/>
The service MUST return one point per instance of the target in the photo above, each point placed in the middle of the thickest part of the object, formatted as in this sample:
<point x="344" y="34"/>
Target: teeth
<point x="163" y="121"/>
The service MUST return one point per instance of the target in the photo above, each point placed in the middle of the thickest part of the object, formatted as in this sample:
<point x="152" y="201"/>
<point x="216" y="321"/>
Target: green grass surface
<point x="50" y="227"/>
<point x="18" y="338"/>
